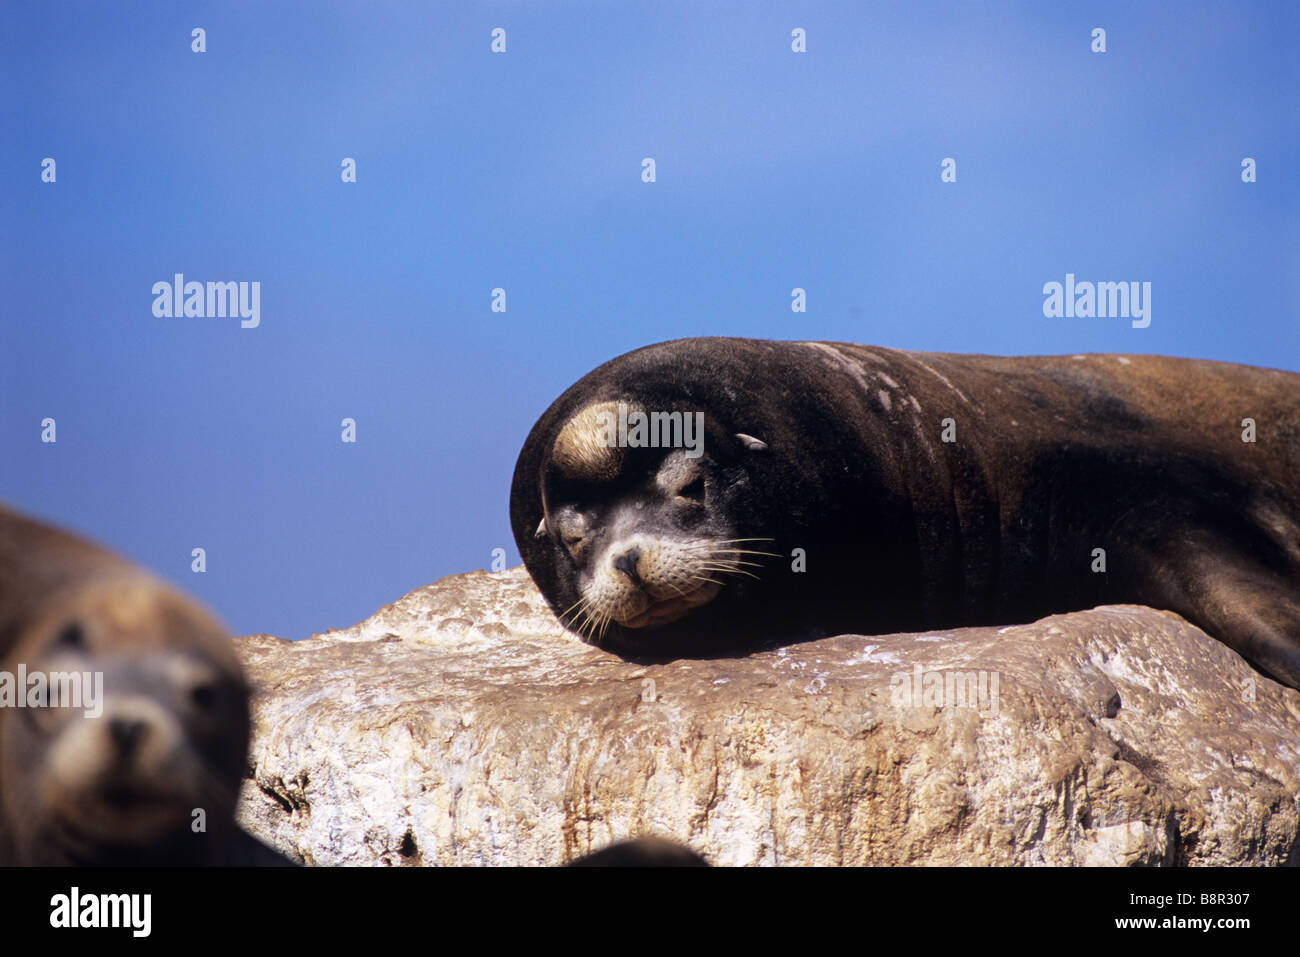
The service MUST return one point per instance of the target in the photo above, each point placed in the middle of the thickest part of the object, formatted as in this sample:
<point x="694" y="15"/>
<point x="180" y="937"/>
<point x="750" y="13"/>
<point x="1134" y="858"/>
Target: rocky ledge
<point x="462" y="725"/>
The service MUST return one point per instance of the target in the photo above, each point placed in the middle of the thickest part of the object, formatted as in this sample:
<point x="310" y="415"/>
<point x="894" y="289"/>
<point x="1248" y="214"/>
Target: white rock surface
<point x="462" y="725"/>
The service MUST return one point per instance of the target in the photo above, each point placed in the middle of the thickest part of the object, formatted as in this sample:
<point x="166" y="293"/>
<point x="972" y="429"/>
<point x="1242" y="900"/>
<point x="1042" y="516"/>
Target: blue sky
<point x="522" y="170"/>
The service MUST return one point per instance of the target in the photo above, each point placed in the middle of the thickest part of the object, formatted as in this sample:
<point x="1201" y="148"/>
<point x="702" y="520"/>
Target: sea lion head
<point x="644" y="511"/>
<point x="654" y="548"/>
<point x="161" y="731"/>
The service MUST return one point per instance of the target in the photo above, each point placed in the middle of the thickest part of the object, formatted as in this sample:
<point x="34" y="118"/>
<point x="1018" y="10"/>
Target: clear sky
<point x="522" y="170"/>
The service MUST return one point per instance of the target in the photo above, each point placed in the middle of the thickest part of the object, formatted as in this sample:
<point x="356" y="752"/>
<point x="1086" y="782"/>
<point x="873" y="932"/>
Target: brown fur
<point x="578" y="449"/>
<point x="122" y="787"/>
<point x="836" y="452"/>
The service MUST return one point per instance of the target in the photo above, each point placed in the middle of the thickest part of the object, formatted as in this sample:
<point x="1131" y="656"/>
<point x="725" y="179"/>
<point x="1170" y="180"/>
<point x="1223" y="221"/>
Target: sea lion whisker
<point x="566" y="611"/>
<point x="732" y="571"/>
<point x="579" y="617"/>
<point x="724" y="546"/>
<point x="591" y="622"/>
<point x="721" y="566"/>
<point x="741" y="551"/>
<point x="702" y="578"/>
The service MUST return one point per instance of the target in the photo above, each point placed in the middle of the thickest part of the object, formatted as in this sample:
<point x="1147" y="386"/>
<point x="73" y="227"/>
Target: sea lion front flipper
<point x="1252" y="609"/>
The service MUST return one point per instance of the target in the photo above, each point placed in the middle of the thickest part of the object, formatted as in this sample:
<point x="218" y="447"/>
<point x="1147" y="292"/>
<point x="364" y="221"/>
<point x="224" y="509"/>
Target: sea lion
<point x="641" y="852"/>
<point x="847" y="488"/>
<point x="117" y="779"/>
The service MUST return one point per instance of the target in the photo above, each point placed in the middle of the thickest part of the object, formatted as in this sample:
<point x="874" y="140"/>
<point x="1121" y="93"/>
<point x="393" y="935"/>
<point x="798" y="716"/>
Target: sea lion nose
<point x="626" y="563"/>
<point x="126" y="733"/>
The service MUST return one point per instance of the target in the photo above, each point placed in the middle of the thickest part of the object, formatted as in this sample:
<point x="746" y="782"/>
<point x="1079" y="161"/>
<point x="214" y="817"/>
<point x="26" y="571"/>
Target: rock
<point x="462" y="725"/>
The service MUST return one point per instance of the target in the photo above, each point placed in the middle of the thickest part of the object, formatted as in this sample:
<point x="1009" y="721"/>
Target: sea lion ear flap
<point x="541" y="528"/>
<point x="751" y="443"/>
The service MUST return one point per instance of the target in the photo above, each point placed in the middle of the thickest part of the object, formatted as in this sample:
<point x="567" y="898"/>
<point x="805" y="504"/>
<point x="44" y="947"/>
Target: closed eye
<point x="204" y="696"/>
<point x="71" y="638"/>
